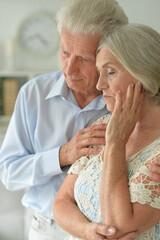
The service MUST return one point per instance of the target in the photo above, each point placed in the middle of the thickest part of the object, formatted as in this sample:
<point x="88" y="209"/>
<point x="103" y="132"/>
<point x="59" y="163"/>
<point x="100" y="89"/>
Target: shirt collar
<point x="96" y="104"/>
<point x="59" y="88"/>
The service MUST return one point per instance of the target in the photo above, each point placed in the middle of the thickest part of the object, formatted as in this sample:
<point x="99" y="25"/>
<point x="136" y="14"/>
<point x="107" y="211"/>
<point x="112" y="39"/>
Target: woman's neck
<point x="149" y="117"/>
<point x="146" y="130"/>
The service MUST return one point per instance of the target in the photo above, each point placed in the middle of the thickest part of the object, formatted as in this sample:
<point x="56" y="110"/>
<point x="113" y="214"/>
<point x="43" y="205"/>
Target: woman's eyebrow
<point x="106" y="64"/>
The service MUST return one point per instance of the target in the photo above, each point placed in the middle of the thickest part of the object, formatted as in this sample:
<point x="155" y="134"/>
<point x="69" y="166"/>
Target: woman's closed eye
<point x="110" y="73"/>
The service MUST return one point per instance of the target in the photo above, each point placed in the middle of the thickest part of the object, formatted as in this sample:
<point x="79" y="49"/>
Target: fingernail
<point x="111" y="230"/>
<point x="157" y="161"/>
<point x="151" y="175"/>
<point x="150" y="167"/>
<point x="139" y="83"/>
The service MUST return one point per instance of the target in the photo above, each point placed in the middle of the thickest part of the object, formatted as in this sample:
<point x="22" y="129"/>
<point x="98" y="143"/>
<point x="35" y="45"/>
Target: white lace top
<point x="141" y="189"/>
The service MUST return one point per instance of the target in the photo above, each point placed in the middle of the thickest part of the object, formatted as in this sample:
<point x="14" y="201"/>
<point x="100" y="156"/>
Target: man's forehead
<point x="80" y="44"/>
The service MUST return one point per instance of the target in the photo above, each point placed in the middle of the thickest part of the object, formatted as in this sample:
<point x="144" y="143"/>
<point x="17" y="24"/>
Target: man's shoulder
<point x="44" y="81"/>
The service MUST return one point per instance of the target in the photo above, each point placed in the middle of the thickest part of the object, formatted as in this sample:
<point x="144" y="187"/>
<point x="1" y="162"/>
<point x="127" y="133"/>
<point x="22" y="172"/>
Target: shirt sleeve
<point x="142" y="189"/>
<point x="20" y="166"/>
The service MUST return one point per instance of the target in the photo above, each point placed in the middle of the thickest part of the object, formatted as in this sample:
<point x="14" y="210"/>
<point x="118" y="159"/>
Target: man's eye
<point x="64" y="52"/>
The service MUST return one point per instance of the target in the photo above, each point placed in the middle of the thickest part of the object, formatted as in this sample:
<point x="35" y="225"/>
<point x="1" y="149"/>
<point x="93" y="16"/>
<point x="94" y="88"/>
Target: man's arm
<point x="22" y="166"/>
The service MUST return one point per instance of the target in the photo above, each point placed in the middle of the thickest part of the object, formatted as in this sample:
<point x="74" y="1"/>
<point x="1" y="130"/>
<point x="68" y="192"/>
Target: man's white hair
<point x="90" y="16"/>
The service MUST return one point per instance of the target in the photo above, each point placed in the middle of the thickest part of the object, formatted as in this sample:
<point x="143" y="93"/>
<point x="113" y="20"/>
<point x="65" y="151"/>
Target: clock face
<point x="38" y="34"/>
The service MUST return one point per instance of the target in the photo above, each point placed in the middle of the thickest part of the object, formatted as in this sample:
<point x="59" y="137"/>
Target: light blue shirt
<point x="46" y="116"/>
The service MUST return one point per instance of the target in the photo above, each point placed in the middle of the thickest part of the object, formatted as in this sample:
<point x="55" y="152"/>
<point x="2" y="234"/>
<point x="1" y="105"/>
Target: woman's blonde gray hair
<point x="90" y="16"/>
<point x="137" y="47"/>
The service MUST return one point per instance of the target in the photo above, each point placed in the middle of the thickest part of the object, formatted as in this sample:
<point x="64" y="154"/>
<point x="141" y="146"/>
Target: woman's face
<point x="112" y="77"/>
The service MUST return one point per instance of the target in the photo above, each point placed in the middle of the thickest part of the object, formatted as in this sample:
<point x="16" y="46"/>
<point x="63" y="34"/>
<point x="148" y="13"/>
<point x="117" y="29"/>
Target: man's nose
<point x="72" y="66"/>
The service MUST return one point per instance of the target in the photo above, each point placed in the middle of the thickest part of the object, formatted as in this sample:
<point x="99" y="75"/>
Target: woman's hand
<point x="125" y="115"/>
<point x="99" y="231"/>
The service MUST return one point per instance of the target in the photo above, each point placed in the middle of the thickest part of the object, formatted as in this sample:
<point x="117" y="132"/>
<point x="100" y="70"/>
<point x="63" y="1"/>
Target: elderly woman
<point x="114" y="187"/>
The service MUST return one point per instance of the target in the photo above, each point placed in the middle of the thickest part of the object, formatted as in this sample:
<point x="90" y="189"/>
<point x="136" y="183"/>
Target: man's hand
<point x="78" y="146"/>
<point x="155" y="173"/>
<point x="98" y="231"/>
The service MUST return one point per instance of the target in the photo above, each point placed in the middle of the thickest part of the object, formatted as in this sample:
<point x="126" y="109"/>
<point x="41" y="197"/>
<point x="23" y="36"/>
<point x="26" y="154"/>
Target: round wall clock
<point x="38" y="34"/>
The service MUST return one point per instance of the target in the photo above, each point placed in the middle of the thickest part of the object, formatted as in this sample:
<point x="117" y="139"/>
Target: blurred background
<point x="29" y="47"/>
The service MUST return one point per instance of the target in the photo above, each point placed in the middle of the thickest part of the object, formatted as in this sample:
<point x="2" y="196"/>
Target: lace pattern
<point x="80" y="164"/>
<point x="141" y="189"/>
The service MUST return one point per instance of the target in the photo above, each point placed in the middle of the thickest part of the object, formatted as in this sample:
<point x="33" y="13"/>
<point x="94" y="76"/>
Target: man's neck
<point x="84" y="99"/>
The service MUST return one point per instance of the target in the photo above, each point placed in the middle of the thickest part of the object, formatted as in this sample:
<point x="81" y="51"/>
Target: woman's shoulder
<point x="104" y="119"/>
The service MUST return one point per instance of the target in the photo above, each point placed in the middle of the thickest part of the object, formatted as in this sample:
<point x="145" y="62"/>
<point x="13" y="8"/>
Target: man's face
<point x="78" y="58"/>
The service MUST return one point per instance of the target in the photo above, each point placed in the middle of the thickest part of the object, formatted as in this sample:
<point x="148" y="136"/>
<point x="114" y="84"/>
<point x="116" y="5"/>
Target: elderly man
<point x="49" y="128"/>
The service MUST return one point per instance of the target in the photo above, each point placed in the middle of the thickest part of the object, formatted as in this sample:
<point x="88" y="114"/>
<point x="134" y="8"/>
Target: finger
<point x="96" y="127"/>
<point x="94" y="134"/>
<point x="154" y="177"/>
<point x="129" y="236"/>
<point x="154" y="173"/>
<point x="155" y="168"/>
<point x="136" y="109"/>
<point x="100" y="237"/>
<point x="92" y="128"/>
<point x="129" y="97"/>
<point x="92" y="141"/>
<point x="157" y="161"/>
<point x="118" y="104"/>
<point x="102" y="229"/>
<point x="137" y="93"/>
<point x="158" y="190"/>
<point x="138" y="97"/>
<point x="90" y="151"/>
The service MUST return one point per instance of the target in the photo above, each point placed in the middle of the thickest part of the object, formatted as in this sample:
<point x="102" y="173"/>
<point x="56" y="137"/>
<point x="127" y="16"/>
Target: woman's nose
<point x="102" y="83"/>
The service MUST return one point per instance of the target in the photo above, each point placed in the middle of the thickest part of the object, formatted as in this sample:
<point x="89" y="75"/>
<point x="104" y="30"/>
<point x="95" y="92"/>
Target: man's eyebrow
<point x="62" y="47"/>
<point x="88" y="56"/>
<point x="82" y="55"/>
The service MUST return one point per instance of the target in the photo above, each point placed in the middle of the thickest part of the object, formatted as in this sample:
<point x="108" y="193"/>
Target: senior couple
<point x="111" y="190"/>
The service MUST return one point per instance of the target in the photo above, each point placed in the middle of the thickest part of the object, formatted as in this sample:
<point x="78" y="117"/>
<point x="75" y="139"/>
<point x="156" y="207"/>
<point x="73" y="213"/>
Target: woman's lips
<point x="106" y="97"/>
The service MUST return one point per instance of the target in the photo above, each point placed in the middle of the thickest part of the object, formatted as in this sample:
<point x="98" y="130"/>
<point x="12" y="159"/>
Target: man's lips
<point x="74" y="79"/>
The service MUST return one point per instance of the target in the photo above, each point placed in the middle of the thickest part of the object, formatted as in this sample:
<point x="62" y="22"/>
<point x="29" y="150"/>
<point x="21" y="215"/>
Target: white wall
<point x="12" y="13"/>
<point x="142" y="11"/>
